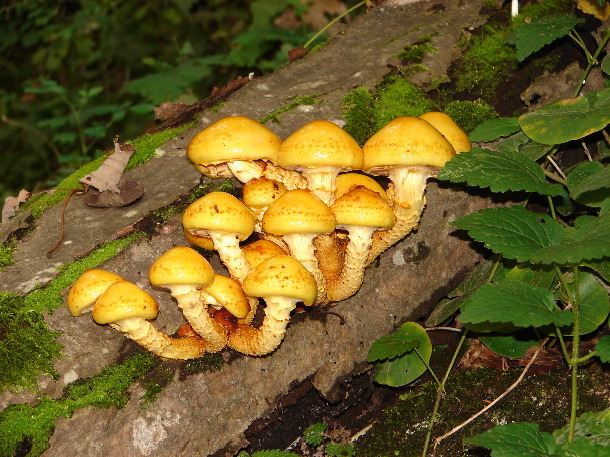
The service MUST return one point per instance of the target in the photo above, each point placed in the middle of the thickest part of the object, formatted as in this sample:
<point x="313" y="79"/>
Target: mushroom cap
<point x="347" y="181"/>
<point x="261" y="192"/>
<point x="320" y="144"/>
<point x="204" y="242"/>
<point x="298" y="211"/>
<point x="261" y="250"/>
<point x="124" y="300"/>
<point x="406" y="141"/>
<point x="450" y="130"/>
<point x="181" y="265"/>
<point x="219" y="212"/>
<point x="87" y="288"/>
<point x="233" y="138"/>
<point x="230" y="295"/>
<point x="281" y="276"/>
<point x="363" y="207"/>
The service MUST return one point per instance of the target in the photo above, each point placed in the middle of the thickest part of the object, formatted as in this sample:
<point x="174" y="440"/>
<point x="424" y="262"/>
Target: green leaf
<point x="500" y="171"/>
<point x="601" y="267"/>
<point x="606" y="65"/>
<point x="543" y="276"/>
<point x="569" y="119"/>
<point x="516" y="440"/>
<point x="586" y="242"/>
<point x="406" y="369"/>
<point x="593" y="427"/>
<point x="581" y="448"/>
<point x="514" y="232"/>
<point x="495" y="128"/>
<point x="514" y="345"/>
<point x="603" y="348"/>
<point x="517" y="303"/>
<point x="533" y="36"/>
<point x="594" y="304"/>
<point x="589" y="183"/>
<point x="521" y="143"/>
<point x="392" y="345"/>
<point x="340" y="450"/>
<point x="314" y="434"/>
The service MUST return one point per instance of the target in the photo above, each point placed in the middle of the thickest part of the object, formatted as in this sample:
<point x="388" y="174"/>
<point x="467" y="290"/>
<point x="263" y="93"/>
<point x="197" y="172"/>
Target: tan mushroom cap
<point x="181" y="266"/>
<point x="261" y="192"/>
<point x="124" y="300"/>
<point x="229" y="294"/>
<point x="281" y="276"/>
<point x="219" y="212"/>
<point x="233" y="138"/>
<point x="261" y="250"/>
<point x="347" y="181"/>
<point x="450" y="130"/>
<point x="362" y="207"/>
<point x="320" y="144"/>
<point x="87" y="288"/>
<point x="298" y="211"/>
<point x="406" y="141"/>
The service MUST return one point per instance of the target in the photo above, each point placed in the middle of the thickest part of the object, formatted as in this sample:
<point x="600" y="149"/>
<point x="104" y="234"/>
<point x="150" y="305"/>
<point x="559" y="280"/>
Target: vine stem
<point x="591" y="59"/>
<point x="330" y="24"/>
<point x="575" y="355"/>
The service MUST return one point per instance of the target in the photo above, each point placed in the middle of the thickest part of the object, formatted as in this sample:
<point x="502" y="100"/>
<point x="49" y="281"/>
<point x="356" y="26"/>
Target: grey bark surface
<point x="206" y="412"/>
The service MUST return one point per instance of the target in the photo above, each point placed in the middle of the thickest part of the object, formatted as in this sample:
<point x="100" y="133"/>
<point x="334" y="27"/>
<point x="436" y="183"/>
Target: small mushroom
<point x="226" y="220"/>
<point x="282" y="282"/>
<point x="361" y="212"/>
<point x="258" y="194"/>
<point x="298" y="217"/>
<point x="349" y="181"/>
<point x="261" y="250"/>
<point x="450" y="130"/>
<point x="320" y="150"/>
<point x="87" y="288"/>
<point x="126" y="308"/>
<point x="226" y="293"/>
<point x="184" y="271"/>
<point x="408" y="150"/>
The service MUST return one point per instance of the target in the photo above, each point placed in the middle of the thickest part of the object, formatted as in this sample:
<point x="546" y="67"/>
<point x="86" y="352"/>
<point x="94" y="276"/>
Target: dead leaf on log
<point x="129" y="192"/>
<point x="166" y="111"/>
<point x="108" y="175"/>
<point x="296" y="53"/>
<point x="11" y="204"/>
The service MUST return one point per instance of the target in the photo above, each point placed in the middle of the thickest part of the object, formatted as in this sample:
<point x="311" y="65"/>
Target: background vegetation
<point x="77" y="73"/>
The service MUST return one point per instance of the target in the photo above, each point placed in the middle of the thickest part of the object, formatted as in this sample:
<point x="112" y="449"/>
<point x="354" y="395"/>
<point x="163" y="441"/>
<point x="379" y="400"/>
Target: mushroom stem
<point x="246" y="170"/>
<point x="291" y="179"/>
<point x="147" y="335"/>
<point x="410" y="183"/>
<point x="301" y="247"/>
<point x="227" y="245"/>
<point x="322" y="182"/>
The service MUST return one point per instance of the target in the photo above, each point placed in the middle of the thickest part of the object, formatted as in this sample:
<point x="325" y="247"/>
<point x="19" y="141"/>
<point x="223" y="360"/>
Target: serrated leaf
<point x="587" y="242"/>
<point x="581" y="448"/>
<point x="495" y="128"/>
<point x="589" y="183"/>
<point x="406" y="369"/>
<point x="543" y="276"/>
<point x="514" y="232"/>
<point x="517" y="303"/>
<point x="392" y="345"/>
<point x="593" y="427"/>
<point x="512" y="440"/>
<point x="274" y="453"/>
<point x="521" y="143"/>
<point x="500" y="171"/>
<point x="314" y="434"/>
<point x="606" y="65"/>
<point x="340" y="450"/>
<point x="594" y="305"/>
<point x="569" y="119"/>
<point x="533" y="36"/>
<point x="603" y="348"/>
<point x="514" y="345"/>
<point x="601" y="267"/>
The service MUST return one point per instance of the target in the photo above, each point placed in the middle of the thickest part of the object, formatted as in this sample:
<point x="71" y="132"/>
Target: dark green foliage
<point x="468" y="114"/>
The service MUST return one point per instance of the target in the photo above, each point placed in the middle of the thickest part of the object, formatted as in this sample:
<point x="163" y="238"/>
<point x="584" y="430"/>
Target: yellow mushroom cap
<point x="298" y="211"/>
<point x="261" y="250"/>
<point x="320" y="144"/>
<point x="87" y="288"/>
<point x="219" y="212"/>
<point x="230" y="295"/>
<point x="181" y="266"/>
<point x="347" y="181"/>
<point x="450" y="130"/>
<point x="233" y="138"/>
<point x="363" y="207"/>
<point x="281" y="276"/>
<point x="124" y="300"/>
<point x="261" y="192"/>
<point x="406" y="141"/>
<point x="200" y="241"/>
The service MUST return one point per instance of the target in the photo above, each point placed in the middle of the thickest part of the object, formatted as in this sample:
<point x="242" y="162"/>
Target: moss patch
<point x="468" y="114"/>
<point x="274" y="116"/>
<point x="7" y="249"/>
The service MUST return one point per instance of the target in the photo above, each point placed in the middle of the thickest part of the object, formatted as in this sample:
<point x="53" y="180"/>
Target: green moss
<point x="358" y="112"/>
<point x="274" y="116"/>
<point x="208" y="362"/>
<point x="7" y="249"/>
<point x="25" y="429"/>
<point x="468" y="114"/>
<point x="414" y="53"/>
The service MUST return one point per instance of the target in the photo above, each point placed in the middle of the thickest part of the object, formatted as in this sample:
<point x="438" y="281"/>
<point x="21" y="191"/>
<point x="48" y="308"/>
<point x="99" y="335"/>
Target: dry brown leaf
<point x="11" y="204"/>
<point x="108" y="175"/>
<point x="592" y="7"/>
<point x="130" y="191"/>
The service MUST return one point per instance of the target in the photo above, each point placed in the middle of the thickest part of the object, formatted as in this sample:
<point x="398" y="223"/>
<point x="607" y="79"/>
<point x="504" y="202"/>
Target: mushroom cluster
<point x="310" y="220"/>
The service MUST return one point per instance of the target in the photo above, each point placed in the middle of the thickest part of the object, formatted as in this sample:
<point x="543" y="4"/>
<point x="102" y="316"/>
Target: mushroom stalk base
<point x="302" y="248"/>
<point x="227" y="245"/>
<point x="196" y="313"/>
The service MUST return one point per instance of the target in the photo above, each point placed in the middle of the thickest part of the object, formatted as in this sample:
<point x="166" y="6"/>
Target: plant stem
<point x="575" y="355"/>
<point x="440" y="391"/>
<point x="330" y="24"/>
<point x="591" y="59"/>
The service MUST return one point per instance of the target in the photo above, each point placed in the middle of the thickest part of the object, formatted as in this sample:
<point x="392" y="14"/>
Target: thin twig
<point x="63" y="213"/>
<point x="550" y="159"/>
<point x="502" y="395"/>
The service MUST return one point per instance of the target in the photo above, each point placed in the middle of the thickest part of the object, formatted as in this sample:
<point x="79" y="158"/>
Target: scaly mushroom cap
<point x="298" y="211"/>
<point x="261" y="250"/>
<point x="233" y="138"/>
<point x="228" y="293"/>
<point x="181" y="266"/>
<point x="450" y="130"/>
<point x="281" y="276"/>
<point x="219" y="212"/>
<point x="363" y="207"/>
<point x="124" y="300"/>
<point x="261" y="192"/>
<point x="347" y="181"/>
<point x="87" y="288"/>
<point x="406" y="141"/>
